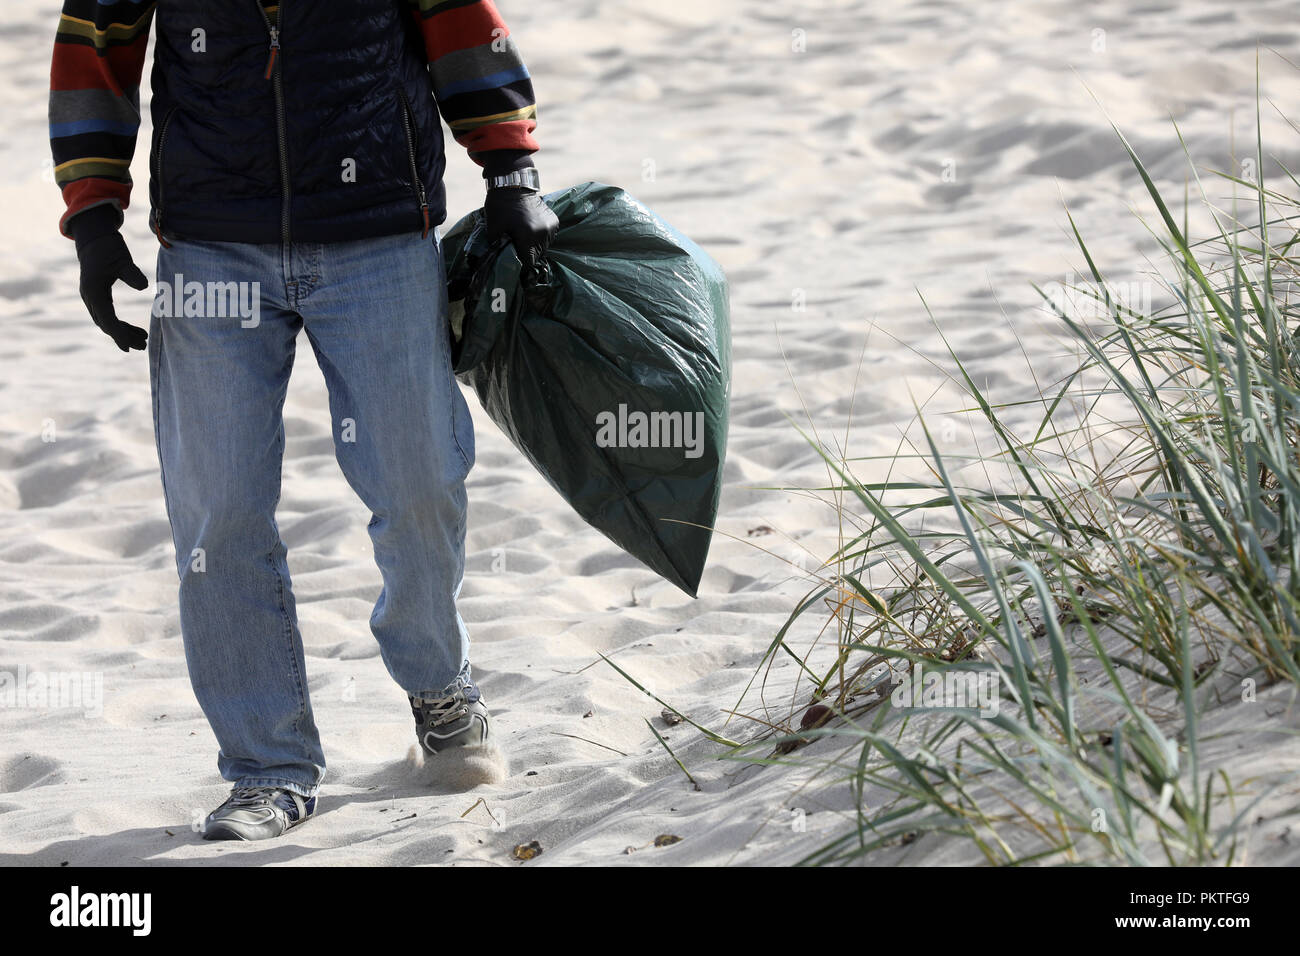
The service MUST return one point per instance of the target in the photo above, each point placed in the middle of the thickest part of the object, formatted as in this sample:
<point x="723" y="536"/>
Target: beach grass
<point x="1119" y="559"/>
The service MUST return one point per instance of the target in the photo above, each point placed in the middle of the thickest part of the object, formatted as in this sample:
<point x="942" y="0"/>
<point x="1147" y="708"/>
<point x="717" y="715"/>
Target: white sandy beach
<point x="915" y="146"/>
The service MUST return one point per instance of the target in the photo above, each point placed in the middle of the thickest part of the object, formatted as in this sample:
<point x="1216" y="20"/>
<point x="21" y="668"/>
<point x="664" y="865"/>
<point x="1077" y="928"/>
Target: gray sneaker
<point x="257" y="813"/>
<point x="459" y="719"/>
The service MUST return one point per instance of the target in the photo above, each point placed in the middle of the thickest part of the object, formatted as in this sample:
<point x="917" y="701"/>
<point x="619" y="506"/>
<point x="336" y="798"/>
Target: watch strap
<point x="528" y="178"/>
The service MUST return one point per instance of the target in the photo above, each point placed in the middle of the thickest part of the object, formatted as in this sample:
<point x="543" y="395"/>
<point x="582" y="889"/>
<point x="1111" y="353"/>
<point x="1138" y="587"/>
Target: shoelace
<point x="258" y="796"/>
<point x="246" y="796"/>
<point x="444" y="710"/>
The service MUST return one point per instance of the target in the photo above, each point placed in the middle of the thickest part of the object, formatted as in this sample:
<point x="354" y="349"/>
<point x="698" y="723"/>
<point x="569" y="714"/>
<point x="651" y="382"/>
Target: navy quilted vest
<point x="333" y="135"/>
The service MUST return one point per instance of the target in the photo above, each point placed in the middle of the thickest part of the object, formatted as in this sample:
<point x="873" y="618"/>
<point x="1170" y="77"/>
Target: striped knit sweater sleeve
<point x="94" y="111"/>
<point x="480" y="82"/>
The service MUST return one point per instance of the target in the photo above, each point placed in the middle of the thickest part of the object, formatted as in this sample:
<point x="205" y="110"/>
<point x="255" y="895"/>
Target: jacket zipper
<point x="273" y="73"/>
<point x="409" y="123"/>
<point x="157" y="172"/>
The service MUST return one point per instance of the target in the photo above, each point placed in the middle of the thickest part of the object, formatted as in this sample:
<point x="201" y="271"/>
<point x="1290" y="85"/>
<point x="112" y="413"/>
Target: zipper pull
<point x="424" y="211"/>
<point x="275" y="49"/>
<point x="158" y="232"/>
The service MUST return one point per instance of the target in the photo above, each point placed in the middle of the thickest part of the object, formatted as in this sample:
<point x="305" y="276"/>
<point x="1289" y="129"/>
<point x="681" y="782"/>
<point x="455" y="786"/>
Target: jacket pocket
<point x="158" y="175"/>
<point x="408" y="125"/>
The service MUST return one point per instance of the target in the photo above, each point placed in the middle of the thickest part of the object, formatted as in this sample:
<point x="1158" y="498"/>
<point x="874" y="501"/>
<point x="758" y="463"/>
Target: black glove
<point x="521" y="214"/>
<point x="104" y="259"/>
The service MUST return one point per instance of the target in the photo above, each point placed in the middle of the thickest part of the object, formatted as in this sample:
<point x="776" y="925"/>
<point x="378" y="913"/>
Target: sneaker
<point x="459" y="719"/>
<point x="257" y="813"/>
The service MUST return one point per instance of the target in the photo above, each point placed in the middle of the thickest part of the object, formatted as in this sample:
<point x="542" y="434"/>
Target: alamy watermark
<point x="52" y="690"/>
<point x="133" y="911"/>
<point x="210" y="300"/>
<point x="637" y="429"/>
<point x="947" y="690"/>
<point x="1089" y="301"/>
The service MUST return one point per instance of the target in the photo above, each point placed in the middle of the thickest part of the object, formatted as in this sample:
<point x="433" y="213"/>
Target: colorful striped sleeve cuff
<point x="479" y="79"/>
<point x="99" y="53"/>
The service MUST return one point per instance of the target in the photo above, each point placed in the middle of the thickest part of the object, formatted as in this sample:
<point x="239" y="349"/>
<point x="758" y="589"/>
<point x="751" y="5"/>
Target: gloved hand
<point x="521" y="214"/>
<point x="104" y="259"/>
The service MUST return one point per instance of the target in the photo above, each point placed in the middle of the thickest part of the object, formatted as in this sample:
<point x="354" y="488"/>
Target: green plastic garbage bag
<point x="609" y="368"/>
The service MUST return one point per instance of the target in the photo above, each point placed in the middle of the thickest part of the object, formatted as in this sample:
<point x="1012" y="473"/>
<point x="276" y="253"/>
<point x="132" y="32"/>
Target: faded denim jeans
<point x="221" y="346"/>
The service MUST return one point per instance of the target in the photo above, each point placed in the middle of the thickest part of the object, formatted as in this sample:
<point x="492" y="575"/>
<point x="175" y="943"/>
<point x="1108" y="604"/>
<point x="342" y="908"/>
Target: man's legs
<point x="375" y="312"/>
<point x="218" y="384"/>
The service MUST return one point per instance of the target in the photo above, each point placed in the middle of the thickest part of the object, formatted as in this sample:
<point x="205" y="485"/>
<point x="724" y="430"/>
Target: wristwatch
<point x="528" y="177"/>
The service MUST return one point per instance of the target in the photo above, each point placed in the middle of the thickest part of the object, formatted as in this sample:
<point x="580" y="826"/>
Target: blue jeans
<point x="221" y="347"/>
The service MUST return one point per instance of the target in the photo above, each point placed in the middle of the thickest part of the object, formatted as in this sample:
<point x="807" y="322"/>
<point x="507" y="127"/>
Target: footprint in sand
<point x="29" y="770"/>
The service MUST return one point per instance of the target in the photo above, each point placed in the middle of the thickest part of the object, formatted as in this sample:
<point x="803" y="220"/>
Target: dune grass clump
<point x="1115" y="569"/>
